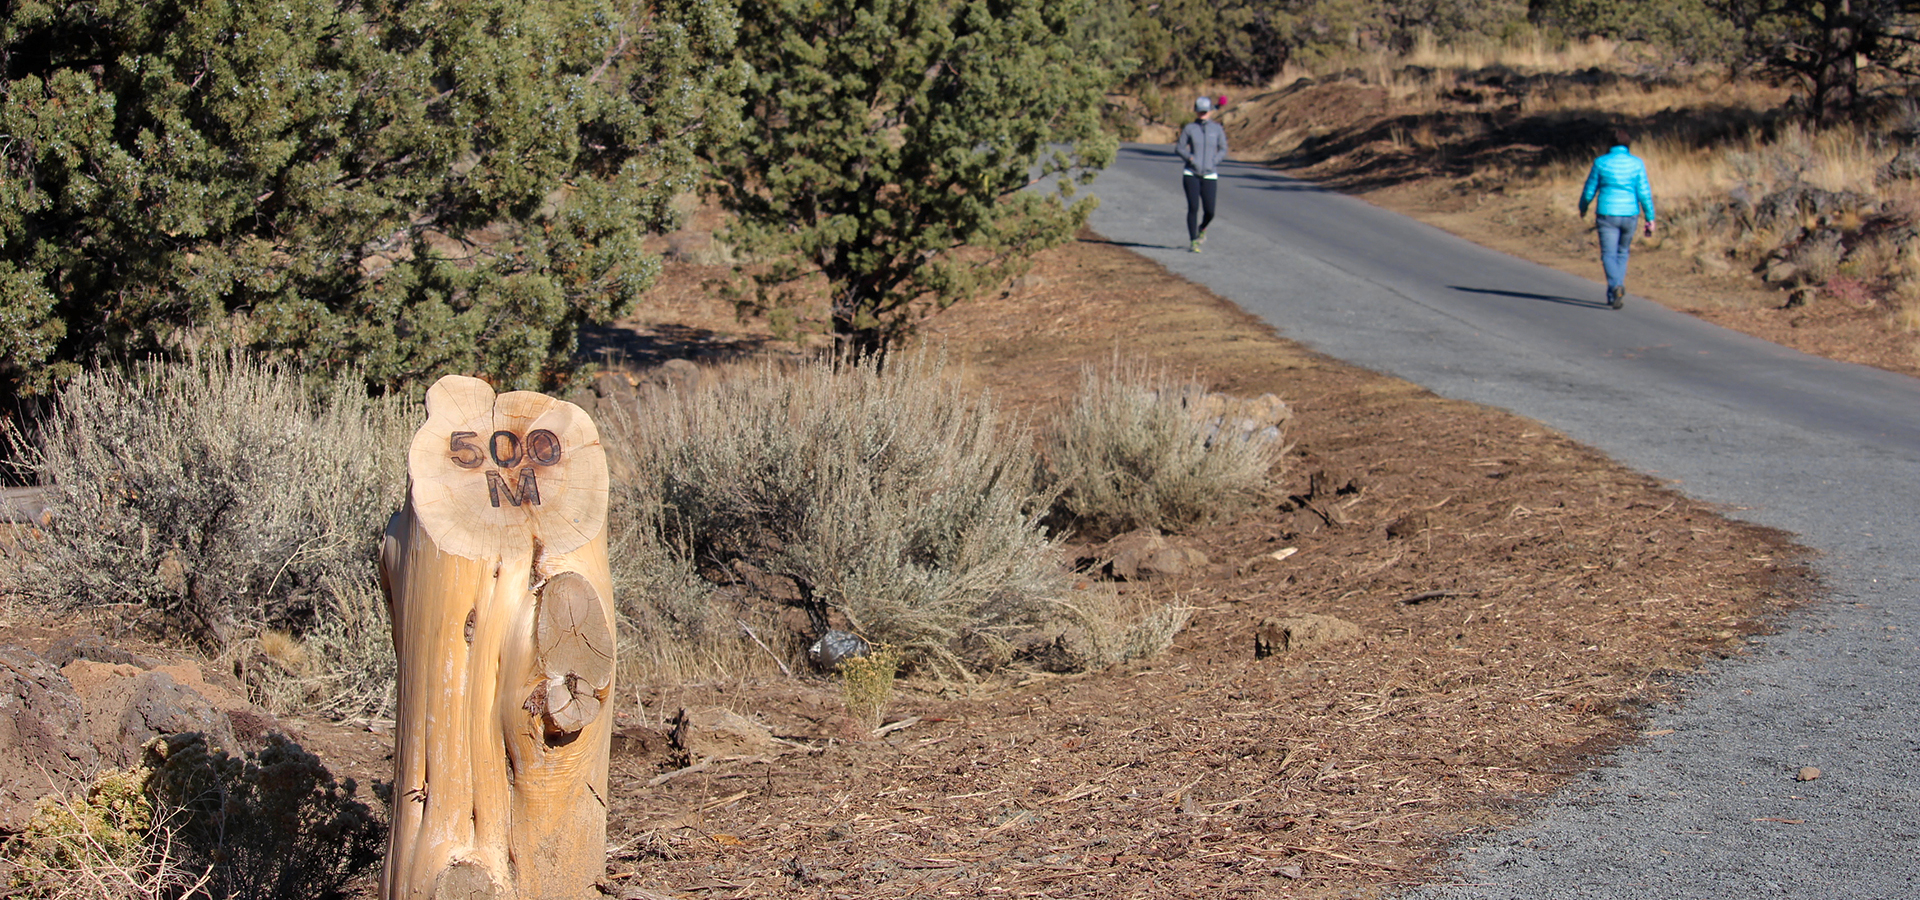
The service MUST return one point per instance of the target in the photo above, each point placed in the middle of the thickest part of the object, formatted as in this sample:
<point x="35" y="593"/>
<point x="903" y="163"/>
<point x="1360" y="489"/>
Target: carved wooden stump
<point x="496" y="577"/>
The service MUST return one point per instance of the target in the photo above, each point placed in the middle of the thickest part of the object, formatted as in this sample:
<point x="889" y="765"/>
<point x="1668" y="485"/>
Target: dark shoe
<point x="1616" y="297"/>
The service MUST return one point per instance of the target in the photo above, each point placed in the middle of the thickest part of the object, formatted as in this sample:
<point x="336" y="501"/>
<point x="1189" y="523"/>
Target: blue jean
<point x="1616" y="242"/>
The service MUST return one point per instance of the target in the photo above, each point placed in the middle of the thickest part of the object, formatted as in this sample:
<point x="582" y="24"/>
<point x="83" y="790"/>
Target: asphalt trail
<point x="1828" y="451"/>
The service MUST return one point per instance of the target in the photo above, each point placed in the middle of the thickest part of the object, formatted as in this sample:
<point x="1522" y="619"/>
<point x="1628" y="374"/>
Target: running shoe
<point x="1193" y="246"/>
<point x="1617" y="296"/>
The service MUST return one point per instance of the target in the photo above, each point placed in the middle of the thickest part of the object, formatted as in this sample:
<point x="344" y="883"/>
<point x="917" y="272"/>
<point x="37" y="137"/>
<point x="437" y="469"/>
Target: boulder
<point x="1291" y="634"/>
<point x="43" y="740"/>
<point x="1145" y="555"/>
<point x="713" y="732"/>
<point x="126" y="706"/>
<point x="1222" y="417"/>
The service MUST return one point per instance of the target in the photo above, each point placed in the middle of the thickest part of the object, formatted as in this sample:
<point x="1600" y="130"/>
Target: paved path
<point x="1828" y="451"/>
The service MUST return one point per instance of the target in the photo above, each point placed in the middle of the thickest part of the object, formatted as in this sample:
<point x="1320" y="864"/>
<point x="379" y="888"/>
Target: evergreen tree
<point x="890" y="145"/>
<point x="409" y="187"/>
<point x="1828" y="46"/>
<point x="1693" y="29"/>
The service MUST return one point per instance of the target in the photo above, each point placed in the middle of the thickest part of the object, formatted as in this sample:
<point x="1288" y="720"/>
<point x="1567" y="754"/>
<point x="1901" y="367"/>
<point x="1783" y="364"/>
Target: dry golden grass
<point x="1529" y="52"/>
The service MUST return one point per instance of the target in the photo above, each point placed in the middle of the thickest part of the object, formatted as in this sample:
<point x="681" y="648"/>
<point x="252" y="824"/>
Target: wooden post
<point x="502" y="608"/>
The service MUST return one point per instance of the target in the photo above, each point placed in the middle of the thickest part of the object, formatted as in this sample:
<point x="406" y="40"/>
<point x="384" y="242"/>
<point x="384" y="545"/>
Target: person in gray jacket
<point x="1202" y="147"/>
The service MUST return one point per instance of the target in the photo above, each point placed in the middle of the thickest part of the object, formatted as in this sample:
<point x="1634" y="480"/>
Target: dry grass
<point x="1132" y="452"/>
<point x="890" y="498"/>
<point x="219" y="498"/>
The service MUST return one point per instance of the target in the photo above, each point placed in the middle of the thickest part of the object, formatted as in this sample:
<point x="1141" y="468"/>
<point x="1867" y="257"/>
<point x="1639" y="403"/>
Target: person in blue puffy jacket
<point x="1618" y="192"/>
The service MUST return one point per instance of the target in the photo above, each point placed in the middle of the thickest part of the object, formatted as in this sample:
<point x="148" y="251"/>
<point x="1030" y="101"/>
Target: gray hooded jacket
<point x="1203" y="147"/>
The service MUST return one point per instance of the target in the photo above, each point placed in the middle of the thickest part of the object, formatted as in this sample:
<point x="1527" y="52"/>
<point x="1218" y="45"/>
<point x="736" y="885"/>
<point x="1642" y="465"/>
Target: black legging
<point x="1200" y="193"/>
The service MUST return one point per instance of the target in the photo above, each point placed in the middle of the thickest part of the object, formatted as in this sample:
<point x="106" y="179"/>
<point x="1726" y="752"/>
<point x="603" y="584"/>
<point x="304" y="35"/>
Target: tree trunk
<point x="502" y="608"/>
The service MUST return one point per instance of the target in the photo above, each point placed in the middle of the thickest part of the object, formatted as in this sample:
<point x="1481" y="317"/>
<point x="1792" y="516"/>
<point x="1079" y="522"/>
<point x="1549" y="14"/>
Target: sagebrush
<point x="218" y="498"/>
<point x="1140" y="448"/>
<point x="269" y="823"/>
<point x="892" y="498"/>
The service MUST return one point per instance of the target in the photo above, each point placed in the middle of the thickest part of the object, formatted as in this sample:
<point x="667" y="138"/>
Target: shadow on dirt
<point x="623" y="345"/>
<point x="1483" y="126"/>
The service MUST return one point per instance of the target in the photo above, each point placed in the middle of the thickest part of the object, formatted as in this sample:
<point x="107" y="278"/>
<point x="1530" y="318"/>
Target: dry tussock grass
<point x="778" y="499"/>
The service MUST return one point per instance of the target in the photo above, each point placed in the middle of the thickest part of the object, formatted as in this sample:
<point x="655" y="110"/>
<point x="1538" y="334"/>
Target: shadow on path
<point x="1522" y="295"/>
<point x="1131" y="244"/>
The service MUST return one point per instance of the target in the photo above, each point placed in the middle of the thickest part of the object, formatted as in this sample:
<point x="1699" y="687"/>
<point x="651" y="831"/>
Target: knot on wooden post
<point x="573" y="646"/>
<point x="496" y="576"/>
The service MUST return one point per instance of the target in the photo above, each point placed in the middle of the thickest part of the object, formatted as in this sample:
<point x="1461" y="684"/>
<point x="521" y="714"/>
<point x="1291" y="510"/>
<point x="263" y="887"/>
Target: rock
<point x="641" y="743"/>
<point x="1408" y="525"/>
<point x="126" y="706"/>
<point x="1782" y="272"/>
<point x="836" y="647"/>
<point x="679" y="374"/>
<point x="43" y="739"/>
<point x="1222" y="417"/>
<point x="25" y="506"/>
<point x="1806" y="773"/>
<point x="1287" y="634"/>
<point x="1145" y="555"/>
<point x="1904" y="166"/>
<point x="1713" y="262"/>
<point x="96" y="648"/>
<point x="712" y="731"/>
<point x="1057" y="655"/>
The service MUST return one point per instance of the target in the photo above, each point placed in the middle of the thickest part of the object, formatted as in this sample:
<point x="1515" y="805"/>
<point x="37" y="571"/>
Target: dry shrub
<point x="342" y="668"/>
<point x="197" y="822"/>
<point x="1131" y="453"/>
<point x="889" y="496"/>
<point x="866" y="685"/>
<point x="1906" y="311"/>
<point x="104" y="845"/>
<point x="1530" y="51"/>
<point x="1113" y="628"/>
<point x="1818" y="260"/>
<point x="220" y="497"/>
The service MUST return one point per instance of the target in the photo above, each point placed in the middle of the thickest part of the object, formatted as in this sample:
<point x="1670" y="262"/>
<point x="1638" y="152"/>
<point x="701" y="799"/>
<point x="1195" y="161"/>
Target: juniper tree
<point x="1829" y="46"/>
<point x="409" y="187"/>
<point x="892" y="146"/>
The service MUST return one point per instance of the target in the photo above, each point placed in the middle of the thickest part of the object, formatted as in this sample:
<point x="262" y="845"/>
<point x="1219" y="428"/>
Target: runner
<point x="1202" y="147"/>
<point x="1618" y="180"/>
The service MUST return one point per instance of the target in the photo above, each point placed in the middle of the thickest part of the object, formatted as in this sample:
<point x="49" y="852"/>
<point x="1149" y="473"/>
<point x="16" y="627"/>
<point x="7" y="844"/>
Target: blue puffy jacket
<point x="1619" y="179"/>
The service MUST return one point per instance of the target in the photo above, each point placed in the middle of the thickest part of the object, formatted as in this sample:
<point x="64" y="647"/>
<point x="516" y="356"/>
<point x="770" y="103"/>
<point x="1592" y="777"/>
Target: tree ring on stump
<point x="491" y="473"/>
<point x="573" y="647"/>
